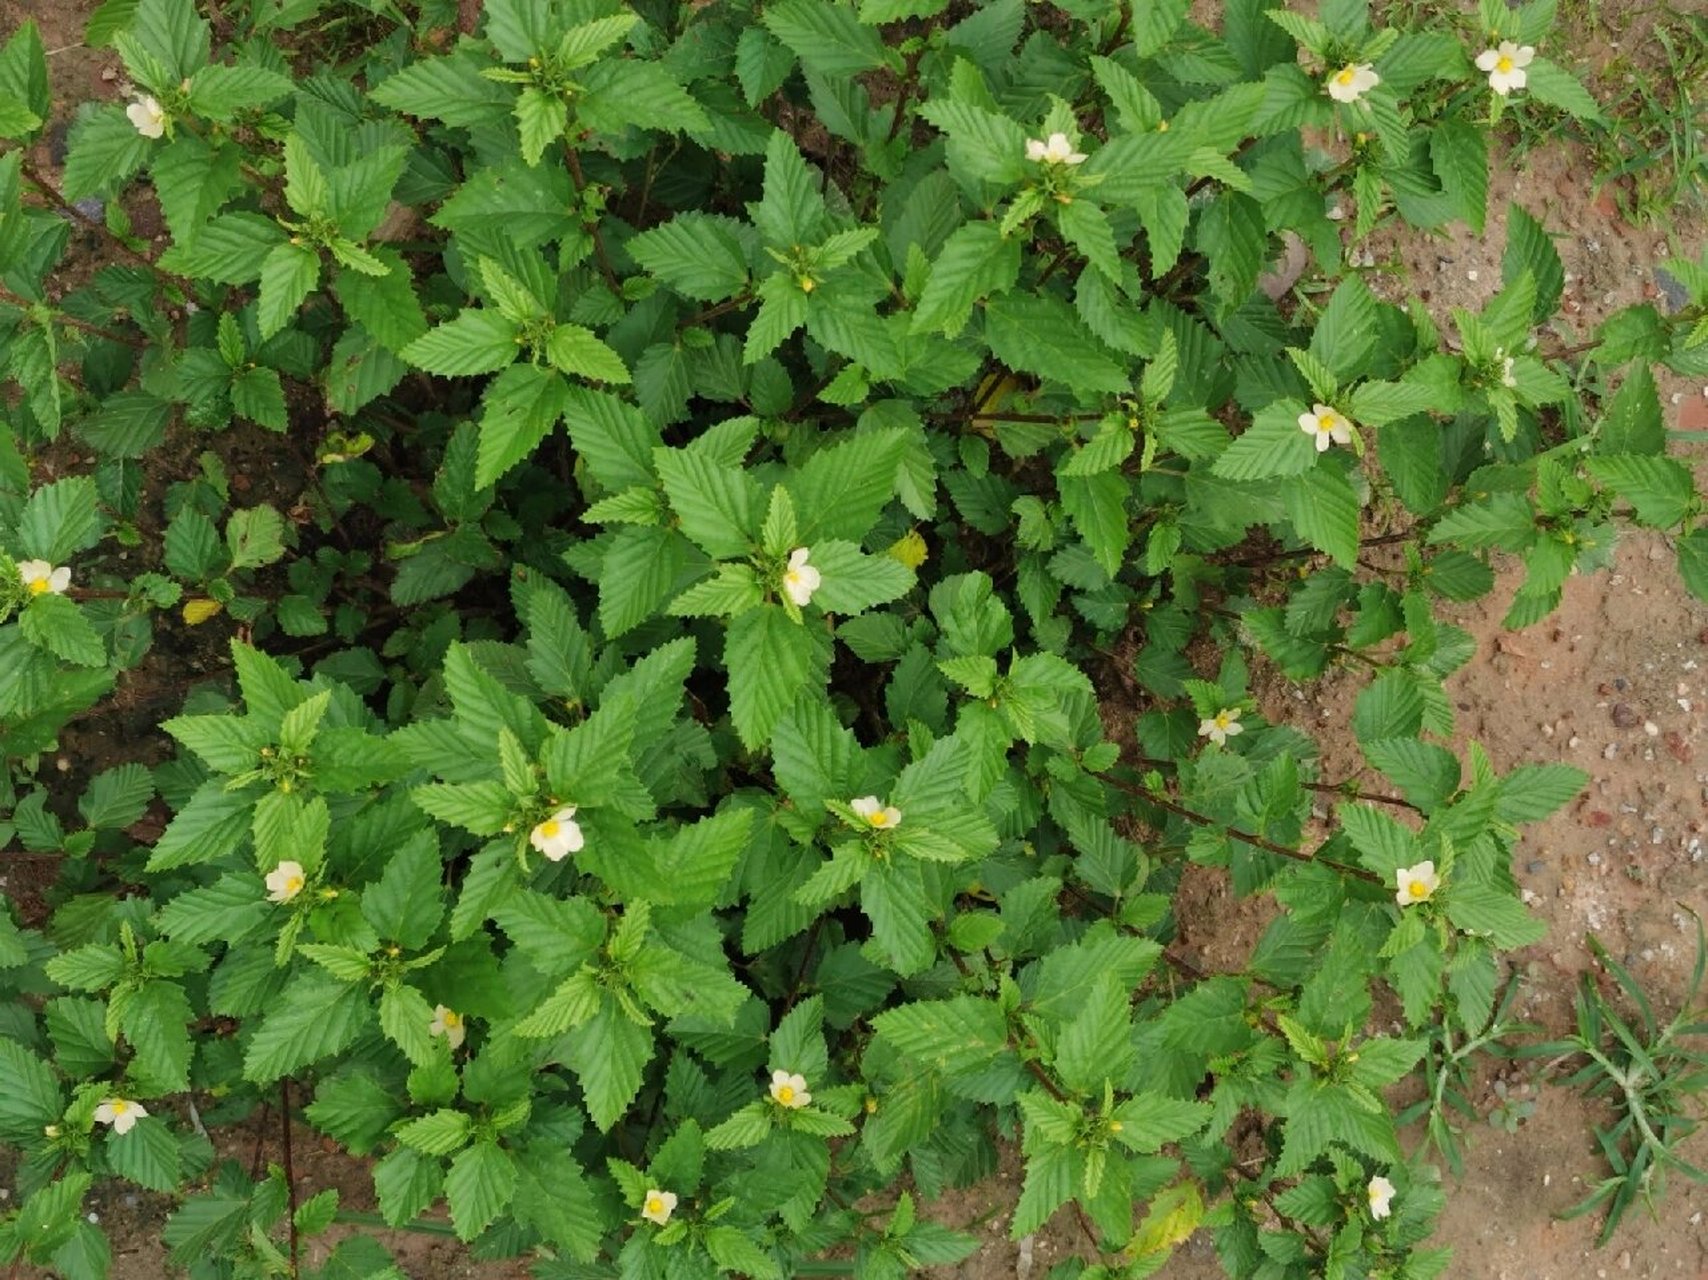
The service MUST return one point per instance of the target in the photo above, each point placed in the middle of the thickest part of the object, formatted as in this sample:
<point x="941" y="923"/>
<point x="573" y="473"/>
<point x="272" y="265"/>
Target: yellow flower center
<point x="39" y="587"/>
<point x="453" y="1020"/>
<point x="785" y="1093"/>
<point x="549" y="828"/>
<point x="293" y="885"/>
<point x="654" y="1205"/>
<point x="878" y="818"/>
<point x="1418" y="889"/>
<point x="1221" y="720"/>
<point x="1375" y="1194"/>
<point x="1115" y="1126"/>
<point x="1162" y="126"/>
<point x="1347" y="75"/>
<point x="1325" y="424"/>
<point x="120" y="1106"/>
<point x="1504" y="65"/>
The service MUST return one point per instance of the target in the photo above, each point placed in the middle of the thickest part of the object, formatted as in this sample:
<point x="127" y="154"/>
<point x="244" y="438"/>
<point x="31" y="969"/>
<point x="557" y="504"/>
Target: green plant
<point x="1654" y="1076"/>
<point x="1651" y="146"/>
<point x="650" y="497"/>
<point x="1448" y="1067"/>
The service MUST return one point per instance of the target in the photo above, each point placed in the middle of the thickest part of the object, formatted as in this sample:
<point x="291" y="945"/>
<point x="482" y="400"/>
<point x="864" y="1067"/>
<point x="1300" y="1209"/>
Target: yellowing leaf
<point x="995" y="392"/>
<point x="910" y="549"/>
<point x="199" y="611"/>
<point x="1174" y="1215"/>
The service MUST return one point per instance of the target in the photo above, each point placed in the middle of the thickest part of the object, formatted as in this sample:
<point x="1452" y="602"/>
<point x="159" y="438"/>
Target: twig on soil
<point x="38" y="181"/>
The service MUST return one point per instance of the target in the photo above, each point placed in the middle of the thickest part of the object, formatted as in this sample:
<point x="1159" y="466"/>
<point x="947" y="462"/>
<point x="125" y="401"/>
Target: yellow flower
<point x="147" y="116"/>
<point x="789" y="1090"/>
<point x="448" y="1023"/>
<point x="285" y="881"/>
<point x="1352" y="82"/>
<point x="800" y="579"/>
<point x="121" y="1114"/>
<point x="1326" y="426"/>
<point x="1505" y="66"/>
<point x="41" y="578"/>
<point x="881" y="817"/>
<point x="658" y="1206"/>
<point x="559" y="835"/>
<point x="1381" y="1194"/>
<point x="1415" y="884"/>
<point x="1057" y="150"/>
<point x="1221" y="726"/>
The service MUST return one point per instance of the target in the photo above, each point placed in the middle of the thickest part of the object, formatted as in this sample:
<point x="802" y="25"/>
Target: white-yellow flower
<point x="658" y="1206"/>
<point x="145" y="113"/>
<point x="559" y="835"/>
<point x="120" y="1113"/>
<point x="41" y="578"/>
<point x="1221" y="726"/>
<point x="1352" y="82"/>
<point x="880" y="816"/>
<point x="1326" y="426"/>
<point x="1505" y="64"/>
<point x="1507" y="377"/>
<point x="1415" y="884"/>
<point x="1057" y="150"/>
<point x="285" y="881"/>
<point x="1381" y="1194"/>
<point x="800" y="579"/>
<point x="447" y="1023"/>
<point x="789" y="1090"/>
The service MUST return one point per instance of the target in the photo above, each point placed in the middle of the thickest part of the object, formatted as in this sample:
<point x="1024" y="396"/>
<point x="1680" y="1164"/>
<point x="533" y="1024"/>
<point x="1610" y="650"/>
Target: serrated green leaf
<point x="289" y="274"/>
<point x="827" y="37"/>
<point x="315" y="1017"/>
<point x="699" y="255"/>
<point x="977" y="261"/>
<point x="56" y="624"/>
<point x="609" y="1057"/>
<point x="1272" y="446"/>
<point x="1324" y="510"/>
<point x="478" y="1187"/>
<point x="773" y="661"/>
<point x="476" y="341"/>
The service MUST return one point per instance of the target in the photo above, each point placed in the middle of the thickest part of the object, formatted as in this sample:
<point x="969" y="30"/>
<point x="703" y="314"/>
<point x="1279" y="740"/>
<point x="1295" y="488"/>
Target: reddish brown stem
<point x="1257" y="841"/>
<point x="6" y="295"/>
<point x="51" y="194"/>
<point x="605" y="267"/>
<point x="290" y="1169"/>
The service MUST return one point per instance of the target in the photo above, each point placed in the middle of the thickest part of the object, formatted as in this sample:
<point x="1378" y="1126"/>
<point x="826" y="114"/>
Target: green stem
<point x="1629" y="1084"/>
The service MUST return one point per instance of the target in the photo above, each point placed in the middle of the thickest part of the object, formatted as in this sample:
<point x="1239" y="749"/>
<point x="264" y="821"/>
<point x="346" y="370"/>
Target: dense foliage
<point x="675" y="480"/>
